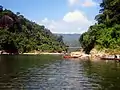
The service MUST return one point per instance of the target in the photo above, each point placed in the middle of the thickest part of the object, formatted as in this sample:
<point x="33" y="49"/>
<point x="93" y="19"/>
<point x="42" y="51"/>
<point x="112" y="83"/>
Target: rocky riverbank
<point x="95" y="54"/>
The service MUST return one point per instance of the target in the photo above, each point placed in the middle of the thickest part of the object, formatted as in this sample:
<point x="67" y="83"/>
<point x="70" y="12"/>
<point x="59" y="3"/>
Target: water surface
<point x="47" y="72"/>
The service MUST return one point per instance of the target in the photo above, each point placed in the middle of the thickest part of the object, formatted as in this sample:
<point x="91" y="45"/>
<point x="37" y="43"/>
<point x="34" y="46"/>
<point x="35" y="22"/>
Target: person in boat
<point x="115" y="56"/>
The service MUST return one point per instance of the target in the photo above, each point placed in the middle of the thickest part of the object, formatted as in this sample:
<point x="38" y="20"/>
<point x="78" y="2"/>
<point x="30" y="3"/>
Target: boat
<point x="68" y="56"/>
<point x="72" y="55"/>
<point x="103" y="58"/>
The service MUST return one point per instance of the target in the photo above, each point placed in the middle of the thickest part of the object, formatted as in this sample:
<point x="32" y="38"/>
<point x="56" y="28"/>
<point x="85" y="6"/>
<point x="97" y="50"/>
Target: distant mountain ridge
<point x="71" y="40"/>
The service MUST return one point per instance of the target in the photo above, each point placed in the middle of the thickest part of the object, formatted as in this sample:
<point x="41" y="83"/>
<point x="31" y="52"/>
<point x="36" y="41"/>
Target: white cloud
<point x="72" y="2"/>
<point x="72" y="22"/>
<point x="89" y="3"/>
<point x="75" y="16"/>
<point x="45" y="20"/>
<point x="84" y="3"/>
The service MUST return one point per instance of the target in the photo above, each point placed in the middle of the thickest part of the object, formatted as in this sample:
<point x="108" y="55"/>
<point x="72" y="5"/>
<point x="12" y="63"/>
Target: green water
<point x="48" y="72"/>
<point x="10" y="65"/>
<point x="105" y="74"/>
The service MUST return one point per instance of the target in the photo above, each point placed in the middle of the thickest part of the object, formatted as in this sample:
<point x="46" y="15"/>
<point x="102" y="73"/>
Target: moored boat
<point x="103" y="58"/>
<point x="68" y="56"/>
<point x="73" y="55"/>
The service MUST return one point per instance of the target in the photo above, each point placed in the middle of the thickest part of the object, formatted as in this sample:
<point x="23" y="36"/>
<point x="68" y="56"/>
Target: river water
<point x="46" y="72"/>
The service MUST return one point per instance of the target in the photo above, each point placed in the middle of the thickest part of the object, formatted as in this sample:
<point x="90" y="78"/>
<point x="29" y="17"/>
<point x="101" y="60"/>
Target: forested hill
<point x="71" y="40"/>
<point x="18" y="34"/>
<point x="104" y="35"/>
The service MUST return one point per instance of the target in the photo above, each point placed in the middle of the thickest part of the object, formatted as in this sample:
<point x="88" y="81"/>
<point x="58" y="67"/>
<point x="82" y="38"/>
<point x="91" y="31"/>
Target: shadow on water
<point x="12" y="66"/>
<point x="104" y="74"/>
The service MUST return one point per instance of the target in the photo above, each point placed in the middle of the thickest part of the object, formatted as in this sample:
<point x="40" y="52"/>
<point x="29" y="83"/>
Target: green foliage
<point x="105" y="34"/>
<point x="25" y="36"/>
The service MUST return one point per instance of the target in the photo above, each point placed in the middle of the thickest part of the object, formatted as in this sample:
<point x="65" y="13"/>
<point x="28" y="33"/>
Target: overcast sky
<point x="60" y="16"/>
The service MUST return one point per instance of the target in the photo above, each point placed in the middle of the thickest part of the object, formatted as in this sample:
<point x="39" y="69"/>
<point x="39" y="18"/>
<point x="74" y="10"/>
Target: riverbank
<point x="43" y="53"/>
<point x="3" y="52"/>
<point x="105" y="53"/>
<point x="95" y="55"/>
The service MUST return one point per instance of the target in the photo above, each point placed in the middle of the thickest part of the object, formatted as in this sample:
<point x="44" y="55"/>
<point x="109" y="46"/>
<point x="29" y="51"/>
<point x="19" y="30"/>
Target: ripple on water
<point x="62" y="75"/>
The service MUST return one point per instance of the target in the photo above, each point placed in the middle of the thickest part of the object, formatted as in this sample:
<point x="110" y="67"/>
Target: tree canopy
<point x="106" y="33"/>
<point x="18" y="34"/>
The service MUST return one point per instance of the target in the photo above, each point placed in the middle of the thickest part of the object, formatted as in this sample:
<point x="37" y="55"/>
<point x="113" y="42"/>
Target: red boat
<point x="68" y="56"/>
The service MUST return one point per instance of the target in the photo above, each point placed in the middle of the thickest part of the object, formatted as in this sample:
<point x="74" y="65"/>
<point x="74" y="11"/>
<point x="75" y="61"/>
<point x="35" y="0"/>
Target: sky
<point x="60" y="16"/>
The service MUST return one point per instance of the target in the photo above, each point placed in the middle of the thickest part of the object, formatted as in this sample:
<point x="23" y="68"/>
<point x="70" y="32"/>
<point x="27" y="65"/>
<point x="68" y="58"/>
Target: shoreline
<point x="3" y="52"/>
<point x="42" y="53"/>
<point x="94" y="55"/>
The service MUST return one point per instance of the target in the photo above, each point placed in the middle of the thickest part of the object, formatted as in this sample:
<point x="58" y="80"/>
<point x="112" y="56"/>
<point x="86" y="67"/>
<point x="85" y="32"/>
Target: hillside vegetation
<point x="71" y="40"/>
<point x="104" y="35"/>
<point x="19" y="35"/>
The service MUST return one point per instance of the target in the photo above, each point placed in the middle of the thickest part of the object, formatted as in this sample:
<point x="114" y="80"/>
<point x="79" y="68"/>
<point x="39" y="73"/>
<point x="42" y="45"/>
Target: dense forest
<point x="19" y="35"/>
<point x="105" y="34"/>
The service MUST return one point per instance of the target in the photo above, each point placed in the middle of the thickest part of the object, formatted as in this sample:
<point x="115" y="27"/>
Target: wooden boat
<point x="103" y="58"/>
<point x="68" y="56"/>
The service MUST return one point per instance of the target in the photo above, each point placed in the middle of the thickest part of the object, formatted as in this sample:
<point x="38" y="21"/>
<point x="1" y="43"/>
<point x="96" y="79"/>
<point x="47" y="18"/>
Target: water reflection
<point x="11" y="66"/>
<point x="53" y="73"/>
<point x="105" y="74"/>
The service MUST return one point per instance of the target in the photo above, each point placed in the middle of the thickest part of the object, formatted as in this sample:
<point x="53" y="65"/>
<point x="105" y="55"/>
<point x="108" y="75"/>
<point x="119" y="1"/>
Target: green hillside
<point x="18" y="35"/>
<point x="71" y="40"/>
<point x="104" y="35"/>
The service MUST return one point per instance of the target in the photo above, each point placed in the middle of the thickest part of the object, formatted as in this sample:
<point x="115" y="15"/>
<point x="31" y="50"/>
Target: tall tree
<point x="106" y="32"/>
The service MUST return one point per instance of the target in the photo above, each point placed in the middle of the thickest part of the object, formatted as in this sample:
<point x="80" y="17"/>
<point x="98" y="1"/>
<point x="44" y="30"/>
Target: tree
<point x="24" y="35"/>
<point x="105" y="34"/>
<point x="1" y="8"/>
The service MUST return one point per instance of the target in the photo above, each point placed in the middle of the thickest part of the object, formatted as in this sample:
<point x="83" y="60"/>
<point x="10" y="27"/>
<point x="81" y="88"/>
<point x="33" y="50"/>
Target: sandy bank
<point x="44" y="53"/>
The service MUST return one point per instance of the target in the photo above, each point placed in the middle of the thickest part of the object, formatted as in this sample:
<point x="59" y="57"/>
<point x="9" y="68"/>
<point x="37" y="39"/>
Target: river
<point x="47" y="72"/>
